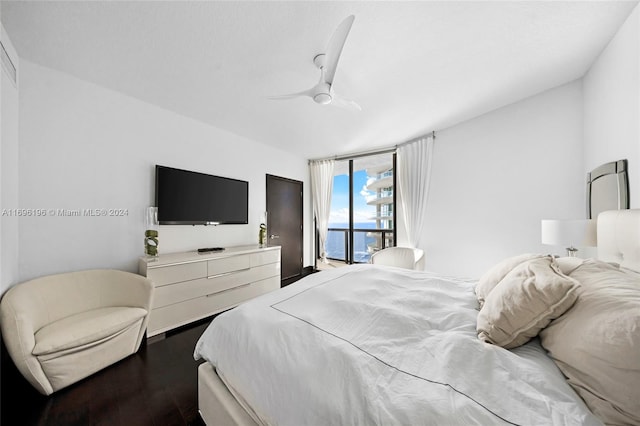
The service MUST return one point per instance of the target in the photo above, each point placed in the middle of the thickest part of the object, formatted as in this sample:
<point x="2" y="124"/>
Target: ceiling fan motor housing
<point x="322" y="98"/>
<point x="322" y="92"/>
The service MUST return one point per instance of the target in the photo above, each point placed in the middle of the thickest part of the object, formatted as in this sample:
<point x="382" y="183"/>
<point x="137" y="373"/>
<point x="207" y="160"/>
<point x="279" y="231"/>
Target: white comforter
<point x="374" y="345"/>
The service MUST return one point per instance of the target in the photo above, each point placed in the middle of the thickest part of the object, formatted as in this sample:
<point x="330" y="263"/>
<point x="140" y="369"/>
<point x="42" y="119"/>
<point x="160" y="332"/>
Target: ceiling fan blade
<point x="345" y="103"/>
<point x="308" y="92"/>
<point x="334" y="48"/>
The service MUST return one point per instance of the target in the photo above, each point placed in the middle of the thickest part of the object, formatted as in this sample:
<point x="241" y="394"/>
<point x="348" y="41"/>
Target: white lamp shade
<point x="579" y="232"/>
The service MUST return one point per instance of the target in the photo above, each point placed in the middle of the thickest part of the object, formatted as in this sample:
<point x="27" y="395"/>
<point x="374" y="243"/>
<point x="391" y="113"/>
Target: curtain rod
<point x="372" y="152"/>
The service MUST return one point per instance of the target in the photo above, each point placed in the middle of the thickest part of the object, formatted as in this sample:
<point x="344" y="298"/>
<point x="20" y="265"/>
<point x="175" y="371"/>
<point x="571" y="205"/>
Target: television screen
<point x="185" y="197"/>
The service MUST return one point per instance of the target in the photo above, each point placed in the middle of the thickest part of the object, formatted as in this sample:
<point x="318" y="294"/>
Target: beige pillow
<point x="568" y="264"/>
<point x="493" y="276"/>
<point x="596" y="344"/>
<point x="524" y="302"/>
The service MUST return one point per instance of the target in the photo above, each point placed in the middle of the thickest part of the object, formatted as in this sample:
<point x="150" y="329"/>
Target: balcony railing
<point x="365" y="243"/>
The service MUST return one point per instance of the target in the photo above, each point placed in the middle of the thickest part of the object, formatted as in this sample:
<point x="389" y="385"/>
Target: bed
<point x="536" y="340"/>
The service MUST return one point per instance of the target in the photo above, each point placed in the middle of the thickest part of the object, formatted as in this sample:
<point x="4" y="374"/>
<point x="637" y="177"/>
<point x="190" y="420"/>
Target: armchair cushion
<point x="85" y="328"/>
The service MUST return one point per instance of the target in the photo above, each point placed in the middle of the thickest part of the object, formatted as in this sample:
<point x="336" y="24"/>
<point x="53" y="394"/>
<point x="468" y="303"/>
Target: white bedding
<point x="375" y="345"/>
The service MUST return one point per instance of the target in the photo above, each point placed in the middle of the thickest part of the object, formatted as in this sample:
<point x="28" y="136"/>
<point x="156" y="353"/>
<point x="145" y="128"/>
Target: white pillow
<point x="525" y="301"/>
<point x="496" y="273"/>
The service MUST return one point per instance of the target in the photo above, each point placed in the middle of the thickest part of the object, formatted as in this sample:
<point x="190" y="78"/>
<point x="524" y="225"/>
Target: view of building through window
<point x="372" y="208"/>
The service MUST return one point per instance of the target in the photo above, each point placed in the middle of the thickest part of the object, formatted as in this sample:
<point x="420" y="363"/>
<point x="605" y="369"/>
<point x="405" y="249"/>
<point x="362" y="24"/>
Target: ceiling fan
<point x="322" y="93"/>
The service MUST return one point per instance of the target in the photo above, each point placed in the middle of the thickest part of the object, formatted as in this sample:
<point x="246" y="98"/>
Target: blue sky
<point x="340" y="199"/>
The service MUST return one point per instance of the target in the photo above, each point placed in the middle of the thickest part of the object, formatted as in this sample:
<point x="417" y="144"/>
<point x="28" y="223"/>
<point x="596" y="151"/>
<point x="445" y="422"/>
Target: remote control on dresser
<point x="206" y="250"/>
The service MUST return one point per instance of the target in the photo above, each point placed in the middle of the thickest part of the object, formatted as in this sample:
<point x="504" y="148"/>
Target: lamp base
<point x="572" y="251"/>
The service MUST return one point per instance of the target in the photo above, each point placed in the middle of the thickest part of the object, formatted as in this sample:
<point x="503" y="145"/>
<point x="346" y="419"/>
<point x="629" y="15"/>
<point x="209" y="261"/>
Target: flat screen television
<point x="186" y="197"/>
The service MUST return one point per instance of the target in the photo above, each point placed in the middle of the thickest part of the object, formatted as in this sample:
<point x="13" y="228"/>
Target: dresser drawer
<point x="179" y="292"/>
<point x="265" y="257"/>
<point x="225" y="265"/>
<point x="171" y="316"/>
<point x="170" y="274"/>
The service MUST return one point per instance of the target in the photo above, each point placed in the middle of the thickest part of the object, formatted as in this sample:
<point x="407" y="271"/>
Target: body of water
<point x="336" y="241"/>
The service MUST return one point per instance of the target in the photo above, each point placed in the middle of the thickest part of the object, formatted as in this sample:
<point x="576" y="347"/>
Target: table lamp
<point x="575" y="232"/>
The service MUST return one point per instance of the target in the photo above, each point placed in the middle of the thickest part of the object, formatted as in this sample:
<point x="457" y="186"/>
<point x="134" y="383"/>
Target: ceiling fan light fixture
<point x="322" y="98"/>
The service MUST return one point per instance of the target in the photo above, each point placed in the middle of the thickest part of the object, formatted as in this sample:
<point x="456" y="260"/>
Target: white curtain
<point x="413" y="176"/>
<point x="321" y="190"/>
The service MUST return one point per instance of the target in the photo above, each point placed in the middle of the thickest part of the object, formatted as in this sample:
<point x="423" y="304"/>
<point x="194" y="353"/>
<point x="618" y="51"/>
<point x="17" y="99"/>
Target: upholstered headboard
<point x="619" y="237"/>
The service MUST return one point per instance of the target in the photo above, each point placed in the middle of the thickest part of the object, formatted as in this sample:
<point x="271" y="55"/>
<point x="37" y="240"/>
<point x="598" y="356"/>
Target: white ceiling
<point x="413" y="66"/>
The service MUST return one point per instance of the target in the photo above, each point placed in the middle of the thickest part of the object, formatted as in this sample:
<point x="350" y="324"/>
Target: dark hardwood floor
<point x="157" y="386"/>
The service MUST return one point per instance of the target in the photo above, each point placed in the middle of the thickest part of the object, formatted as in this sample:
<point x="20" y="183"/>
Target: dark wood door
<point x="284" y="223"/>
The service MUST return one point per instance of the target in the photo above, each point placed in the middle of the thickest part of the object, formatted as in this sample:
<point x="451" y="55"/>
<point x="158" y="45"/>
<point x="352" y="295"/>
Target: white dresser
<point x="190" y="286"/>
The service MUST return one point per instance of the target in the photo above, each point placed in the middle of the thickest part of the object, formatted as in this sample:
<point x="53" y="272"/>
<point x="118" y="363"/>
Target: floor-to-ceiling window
<point x="362" y="217"/>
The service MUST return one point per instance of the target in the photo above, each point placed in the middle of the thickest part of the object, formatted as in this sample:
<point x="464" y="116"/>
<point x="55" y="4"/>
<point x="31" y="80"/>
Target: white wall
<point x="494" y="178"/>
<point x="612" y="105"/>
<point x="9" y="273"/>
<point x="83" y="146"/>
<point x="497" y="176"/>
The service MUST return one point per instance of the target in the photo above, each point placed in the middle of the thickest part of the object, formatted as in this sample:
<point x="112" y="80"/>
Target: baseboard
<point x="308" y="270"/>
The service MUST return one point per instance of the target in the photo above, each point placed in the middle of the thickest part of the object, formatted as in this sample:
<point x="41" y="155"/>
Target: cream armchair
<point x="401" y="257"/>
<point x="59" y="329"/>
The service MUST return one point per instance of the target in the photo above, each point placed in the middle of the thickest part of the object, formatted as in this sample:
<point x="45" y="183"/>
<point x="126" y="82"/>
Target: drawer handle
<point x="227" y="273"/>
<point x="229" y="289"/>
